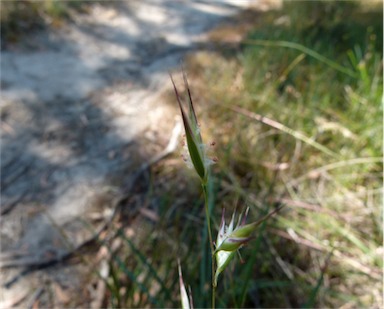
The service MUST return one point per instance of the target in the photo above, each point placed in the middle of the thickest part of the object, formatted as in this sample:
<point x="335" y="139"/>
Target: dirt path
<point x="79" y="107"/>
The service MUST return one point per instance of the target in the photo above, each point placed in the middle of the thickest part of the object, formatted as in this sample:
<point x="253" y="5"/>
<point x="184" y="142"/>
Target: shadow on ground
<point x="80" y="111"/>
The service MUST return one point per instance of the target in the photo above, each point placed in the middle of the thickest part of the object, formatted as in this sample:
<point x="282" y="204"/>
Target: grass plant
<point x="286" y="91"/>
<point x="296" y="113"/>
<point x="230" y="238"/>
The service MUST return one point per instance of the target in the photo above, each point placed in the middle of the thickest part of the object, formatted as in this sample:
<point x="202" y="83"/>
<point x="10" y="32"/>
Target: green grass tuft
<point x="312" y="72"/>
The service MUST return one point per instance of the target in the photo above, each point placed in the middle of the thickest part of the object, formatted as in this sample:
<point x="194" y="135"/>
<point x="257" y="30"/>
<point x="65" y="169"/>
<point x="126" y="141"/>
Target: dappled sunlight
<point x="97" y="203"/>
<point x="83" y="121"/>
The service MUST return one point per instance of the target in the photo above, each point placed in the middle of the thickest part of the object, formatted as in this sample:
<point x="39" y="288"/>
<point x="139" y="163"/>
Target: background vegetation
<point x="313" y="70"/>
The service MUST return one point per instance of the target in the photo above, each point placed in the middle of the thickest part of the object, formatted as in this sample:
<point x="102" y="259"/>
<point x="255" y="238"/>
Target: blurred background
<point x="98" y="205"/>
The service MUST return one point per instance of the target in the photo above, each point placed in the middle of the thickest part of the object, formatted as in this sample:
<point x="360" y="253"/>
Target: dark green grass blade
<point x="133" y="277"/>
<point x="247" y="273"/>
<point x="114" y="287"/>
<point x="151" y="269"/>
<point x="312" y="298"/>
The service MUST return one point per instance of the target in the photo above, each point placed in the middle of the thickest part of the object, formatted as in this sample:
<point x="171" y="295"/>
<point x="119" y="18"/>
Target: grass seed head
<point x="193" y="140"/>
<point x="186" y="302"/>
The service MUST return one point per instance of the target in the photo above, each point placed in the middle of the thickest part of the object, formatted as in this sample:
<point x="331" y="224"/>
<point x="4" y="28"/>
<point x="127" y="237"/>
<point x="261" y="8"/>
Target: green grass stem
<point x="306" y="50"/>
<point x="208" y="219"/>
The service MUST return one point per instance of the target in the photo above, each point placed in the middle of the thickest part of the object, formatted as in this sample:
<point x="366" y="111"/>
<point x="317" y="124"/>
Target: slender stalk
<point x="208" y="218"/>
